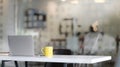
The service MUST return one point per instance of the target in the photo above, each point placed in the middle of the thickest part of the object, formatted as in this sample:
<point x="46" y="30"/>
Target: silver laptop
<point x="21" y="45"/>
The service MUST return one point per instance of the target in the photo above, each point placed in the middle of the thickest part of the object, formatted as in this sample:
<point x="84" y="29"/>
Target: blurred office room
<point x="64" y="24"/>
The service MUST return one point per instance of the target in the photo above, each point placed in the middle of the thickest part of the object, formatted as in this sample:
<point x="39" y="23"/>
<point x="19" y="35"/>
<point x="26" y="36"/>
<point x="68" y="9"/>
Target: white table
<point x="82" y="59"/>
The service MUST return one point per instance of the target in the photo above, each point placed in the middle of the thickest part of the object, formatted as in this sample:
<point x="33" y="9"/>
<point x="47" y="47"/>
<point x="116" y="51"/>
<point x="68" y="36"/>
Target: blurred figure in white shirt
<point x="97" y="43"/>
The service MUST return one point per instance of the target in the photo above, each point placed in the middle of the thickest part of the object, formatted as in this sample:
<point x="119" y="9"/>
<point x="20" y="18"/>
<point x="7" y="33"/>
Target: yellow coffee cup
<point x="47" y="51"/>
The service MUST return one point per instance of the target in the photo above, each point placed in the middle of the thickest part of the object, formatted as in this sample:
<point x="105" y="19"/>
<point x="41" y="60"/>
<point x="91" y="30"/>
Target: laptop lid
<point x="21" y="45"/>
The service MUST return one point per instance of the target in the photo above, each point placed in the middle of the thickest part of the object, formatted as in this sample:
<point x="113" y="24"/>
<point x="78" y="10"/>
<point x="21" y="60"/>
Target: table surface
<point x="84" y="59"/>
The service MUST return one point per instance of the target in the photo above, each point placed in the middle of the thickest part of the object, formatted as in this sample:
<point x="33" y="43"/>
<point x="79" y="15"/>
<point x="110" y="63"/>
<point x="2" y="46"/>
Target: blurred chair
<point x="60" y="52"/>
<point x="15" y="62"/>
<point x="3" y="63"/>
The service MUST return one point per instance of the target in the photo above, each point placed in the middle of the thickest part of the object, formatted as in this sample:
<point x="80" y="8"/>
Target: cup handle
<point x="42" y="50"/>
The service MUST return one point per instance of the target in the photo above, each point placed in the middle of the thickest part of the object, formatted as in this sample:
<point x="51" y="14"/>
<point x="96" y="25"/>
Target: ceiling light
<point x="74" y="1"/>
<point x="63" y="0"/>
<point x="99" y="1"/>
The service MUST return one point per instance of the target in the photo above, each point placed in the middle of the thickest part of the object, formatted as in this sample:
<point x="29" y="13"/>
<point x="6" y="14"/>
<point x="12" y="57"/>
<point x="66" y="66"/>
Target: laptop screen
<point x="21" y="45"/>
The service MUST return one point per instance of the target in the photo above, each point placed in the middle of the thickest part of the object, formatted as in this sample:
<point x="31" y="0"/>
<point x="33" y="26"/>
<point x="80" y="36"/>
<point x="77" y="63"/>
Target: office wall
<point x="7" y="26"/>
<point x="86" y="12"/>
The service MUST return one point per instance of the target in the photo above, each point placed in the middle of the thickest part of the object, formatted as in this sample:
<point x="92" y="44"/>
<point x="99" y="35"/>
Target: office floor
<point x="21" y="64"/>
<point x="105" y="64"/>
<point x="37" y="64"/>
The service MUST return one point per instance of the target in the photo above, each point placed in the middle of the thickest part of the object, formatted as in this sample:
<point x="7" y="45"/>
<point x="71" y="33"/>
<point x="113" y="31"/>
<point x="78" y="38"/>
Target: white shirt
<point x="99" y="44"/>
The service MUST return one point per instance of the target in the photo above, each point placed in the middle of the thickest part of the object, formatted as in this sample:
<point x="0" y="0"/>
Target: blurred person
<point x="91" y="40"/>
<point x="97" y="43"/>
